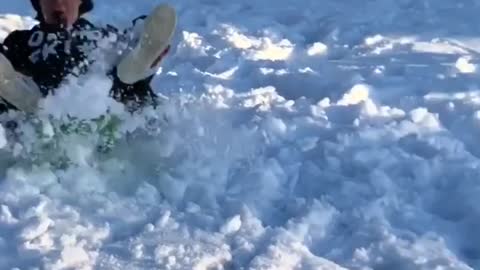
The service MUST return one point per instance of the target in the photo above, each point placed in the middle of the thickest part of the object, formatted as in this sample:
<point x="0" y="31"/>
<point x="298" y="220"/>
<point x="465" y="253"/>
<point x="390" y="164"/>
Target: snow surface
<point x="298" y="134"/>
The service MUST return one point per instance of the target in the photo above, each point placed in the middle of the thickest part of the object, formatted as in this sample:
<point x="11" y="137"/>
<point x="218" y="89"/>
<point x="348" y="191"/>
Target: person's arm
<point x="15" y="48"/>
<point x="4" y="104"/>
<point x="17" y="90"/>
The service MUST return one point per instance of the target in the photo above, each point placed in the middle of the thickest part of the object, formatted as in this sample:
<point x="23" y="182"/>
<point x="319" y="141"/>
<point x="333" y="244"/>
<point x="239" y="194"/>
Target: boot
<point x="153" y="44"/>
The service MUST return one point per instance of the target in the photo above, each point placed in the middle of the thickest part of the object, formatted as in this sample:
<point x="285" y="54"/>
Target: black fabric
<point x="49" y="55"/>
<point x="86" y="6"/>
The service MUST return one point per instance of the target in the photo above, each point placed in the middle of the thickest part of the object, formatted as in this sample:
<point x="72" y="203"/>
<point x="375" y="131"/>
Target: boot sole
<point x="158" y="30"/>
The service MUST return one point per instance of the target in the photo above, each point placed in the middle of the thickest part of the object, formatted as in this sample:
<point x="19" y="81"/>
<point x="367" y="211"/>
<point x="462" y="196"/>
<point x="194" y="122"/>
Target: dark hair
<point x="85" y="6"/>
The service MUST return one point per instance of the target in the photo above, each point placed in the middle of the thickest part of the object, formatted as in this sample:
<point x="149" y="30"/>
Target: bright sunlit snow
<point x="293" y="134"/>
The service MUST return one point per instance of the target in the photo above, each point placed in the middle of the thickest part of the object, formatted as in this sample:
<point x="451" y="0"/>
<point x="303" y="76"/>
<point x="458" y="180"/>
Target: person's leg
<point x="17" y="89"/>
<point x="153" y="44"/>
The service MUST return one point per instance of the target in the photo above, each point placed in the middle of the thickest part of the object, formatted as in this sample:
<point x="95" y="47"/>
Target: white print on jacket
<point x="48" y="43"/>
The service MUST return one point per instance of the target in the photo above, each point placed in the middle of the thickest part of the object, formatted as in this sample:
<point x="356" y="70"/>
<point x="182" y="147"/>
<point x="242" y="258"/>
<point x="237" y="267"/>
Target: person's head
<point x="62" y="13"/>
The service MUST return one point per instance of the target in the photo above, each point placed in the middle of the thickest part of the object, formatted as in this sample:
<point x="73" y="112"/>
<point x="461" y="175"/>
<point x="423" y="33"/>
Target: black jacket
<point x="49" y="55"/>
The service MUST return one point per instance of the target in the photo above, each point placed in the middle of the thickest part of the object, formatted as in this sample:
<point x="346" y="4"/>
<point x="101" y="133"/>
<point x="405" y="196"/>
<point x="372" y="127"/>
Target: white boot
<point x="157" y="32"/>
<point x="17" y="89"/>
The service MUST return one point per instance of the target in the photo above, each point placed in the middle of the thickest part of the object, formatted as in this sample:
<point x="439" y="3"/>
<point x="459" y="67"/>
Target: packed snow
<point x="292" y="134"/>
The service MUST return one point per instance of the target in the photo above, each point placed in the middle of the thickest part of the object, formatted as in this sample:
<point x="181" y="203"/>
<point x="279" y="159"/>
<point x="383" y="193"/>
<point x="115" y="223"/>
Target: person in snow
<point x="62" y="45"/>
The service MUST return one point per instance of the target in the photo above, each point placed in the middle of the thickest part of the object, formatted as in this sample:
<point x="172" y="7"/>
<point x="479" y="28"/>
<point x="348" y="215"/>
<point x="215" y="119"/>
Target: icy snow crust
<point x="298" y="134"/>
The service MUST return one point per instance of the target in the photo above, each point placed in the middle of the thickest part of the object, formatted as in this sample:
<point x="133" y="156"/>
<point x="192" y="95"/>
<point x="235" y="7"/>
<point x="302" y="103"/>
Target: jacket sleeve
<point x="4" y="105"/>
<point x="15" y="48"/>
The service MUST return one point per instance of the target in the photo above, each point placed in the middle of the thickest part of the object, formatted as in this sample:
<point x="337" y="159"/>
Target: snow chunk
<point x="317" y="48"/>
<point x="276" y="125"/>
<point x="289" y="254"/>
<point x="437" y="48"/>
<point x="464" y="66"/>
<point x="150" y="227"/>
<point x="194" y="40"/>
<point x="35" y="228"/>
<point x="162" y="222"/>
<point x="419" y="114"/>
<point x="423" y="117"/>
<point x="138" y="251"/>
<point x="239" y="40"/>
<point x="371" y="41"/>
<point x="371" y="109"/>
<point x="47" y="128"/>
<point x="359" y="93"/>
<point x="70" y="99"/>
<point x="476" y="116"/>
<point x="231" y="226"/>
<point x="324" y="103"/>
<point x="81" y="180"/>
<point x="193" y="44"/>
<point x="262" y="98"/>
<point x="196" y="255"/>
<point x="274" y="52"/>
<point x="3" y="138"/>
<point x="307" y="144"/>
<point x="379" y="70"/>
<point x="6" y="216"/>
<point x="72" y="257"/>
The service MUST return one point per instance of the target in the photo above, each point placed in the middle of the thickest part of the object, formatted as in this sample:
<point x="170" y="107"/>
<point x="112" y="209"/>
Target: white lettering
<point x="87" y="47"/>
<point x="90" y="35"/>
<point x="35" y="56"/>
<point x="68" y="47"/>
<point x="36" y="39"/>
<point x="49" y="49"/>
<point x="51" y="37"/>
